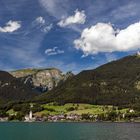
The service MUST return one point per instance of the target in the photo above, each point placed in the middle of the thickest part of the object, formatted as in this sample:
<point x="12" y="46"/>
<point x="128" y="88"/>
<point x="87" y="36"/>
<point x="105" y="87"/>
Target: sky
<point x="71" y="35"/>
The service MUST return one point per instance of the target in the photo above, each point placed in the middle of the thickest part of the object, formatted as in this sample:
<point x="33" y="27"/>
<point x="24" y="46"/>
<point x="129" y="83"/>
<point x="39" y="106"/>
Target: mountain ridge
<point x="43" y="79"/>
<point x="115" y="83"/>
<point x="12" y="89"/>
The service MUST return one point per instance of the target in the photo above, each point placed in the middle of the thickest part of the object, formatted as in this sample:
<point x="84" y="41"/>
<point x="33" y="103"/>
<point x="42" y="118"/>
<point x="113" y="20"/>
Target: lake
<point x="69" y="131"/>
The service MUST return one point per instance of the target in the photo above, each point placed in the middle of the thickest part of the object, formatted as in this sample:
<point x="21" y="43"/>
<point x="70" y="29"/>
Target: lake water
<point x="69" y="131"/>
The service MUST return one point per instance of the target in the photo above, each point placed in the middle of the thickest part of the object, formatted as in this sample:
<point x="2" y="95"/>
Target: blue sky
<point x="72" y="35"/>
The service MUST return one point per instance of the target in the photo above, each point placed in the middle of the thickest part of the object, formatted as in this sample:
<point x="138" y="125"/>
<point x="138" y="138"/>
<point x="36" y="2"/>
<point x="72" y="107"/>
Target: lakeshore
<point x="53" y="112"/>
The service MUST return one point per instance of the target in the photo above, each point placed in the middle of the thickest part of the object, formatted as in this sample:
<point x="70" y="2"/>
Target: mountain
<point x="41" y="79"/>
<point x="115" y="83"/>
<point x="12" y="89"/>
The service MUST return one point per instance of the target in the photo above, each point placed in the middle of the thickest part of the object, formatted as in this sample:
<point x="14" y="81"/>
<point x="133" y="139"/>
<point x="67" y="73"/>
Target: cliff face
<point x="41" y="79"/>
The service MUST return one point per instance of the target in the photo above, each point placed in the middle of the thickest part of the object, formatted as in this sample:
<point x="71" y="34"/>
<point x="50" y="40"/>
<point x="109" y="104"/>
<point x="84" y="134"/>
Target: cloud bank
<point x="78" y="18"/>
<point x="102" y="37"/>
<point x="10" y="27"/>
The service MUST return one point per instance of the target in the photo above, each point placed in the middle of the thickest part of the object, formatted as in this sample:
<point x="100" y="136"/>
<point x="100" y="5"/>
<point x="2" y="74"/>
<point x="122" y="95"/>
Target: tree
<point x="112" y="116"/>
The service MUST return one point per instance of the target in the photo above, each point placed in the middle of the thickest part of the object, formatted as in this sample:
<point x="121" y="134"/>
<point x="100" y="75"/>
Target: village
<point x="131" y="117"/>
<point x="111" y="114"/>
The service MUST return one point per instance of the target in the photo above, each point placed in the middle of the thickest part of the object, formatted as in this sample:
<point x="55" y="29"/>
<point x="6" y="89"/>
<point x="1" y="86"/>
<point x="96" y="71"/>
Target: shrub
<point x="70" y="109"/>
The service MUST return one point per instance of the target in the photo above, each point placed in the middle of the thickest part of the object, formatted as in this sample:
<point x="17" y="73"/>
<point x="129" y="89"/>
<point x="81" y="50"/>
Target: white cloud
<point x="102" y="37"/>
<point x="10" y="27"/>
<point x="40" y="23"/>
<point x="78" y="18"/>
<point x="56" y="8"/>
<point x="47" y="28"/>
<point x="84" y="55"/>
<point x="40" y="20"/>
<point x="53" y="51"/>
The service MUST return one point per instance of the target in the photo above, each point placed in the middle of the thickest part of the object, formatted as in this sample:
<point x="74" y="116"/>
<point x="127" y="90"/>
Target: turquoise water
<point x="69" y="131"/>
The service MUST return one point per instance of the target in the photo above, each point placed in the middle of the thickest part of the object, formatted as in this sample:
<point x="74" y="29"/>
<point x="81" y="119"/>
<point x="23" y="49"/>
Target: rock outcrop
<point x="41" y="79"/>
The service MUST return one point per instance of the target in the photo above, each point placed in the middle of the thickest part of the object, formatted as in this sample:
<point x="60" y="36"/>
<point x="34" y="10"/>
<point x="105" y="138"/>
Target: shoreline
<point x="16" y="121"/>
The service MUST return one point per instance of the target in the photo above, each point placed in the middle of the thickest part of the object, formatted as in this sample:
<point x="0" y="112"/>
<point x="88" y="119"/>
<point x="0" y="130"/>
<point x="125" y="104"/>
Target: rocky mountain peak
<point x="41" y="79"/>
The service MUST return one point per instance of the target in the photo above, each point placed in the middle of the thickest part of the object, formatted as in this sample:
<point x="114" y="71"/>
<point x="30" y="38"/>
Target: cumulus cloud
<point x="53" y="51"/>
<point x="103" y="37"/>
<point x="10" y="27"/>
<point x="40" y="20"/>
<point x="78" y="18"/>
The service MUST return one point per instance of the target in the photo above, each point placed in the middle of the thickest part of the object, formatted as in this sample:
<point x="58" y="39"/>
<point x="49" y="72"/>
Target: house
<point x="131" y="111"/>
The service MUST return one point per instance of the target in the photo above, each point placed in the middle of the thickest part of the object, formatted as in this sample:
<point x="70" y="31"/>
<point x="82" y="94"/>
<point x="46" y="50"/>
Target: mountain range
<point x="25" y="84"/>
<point x="114" y="83"/>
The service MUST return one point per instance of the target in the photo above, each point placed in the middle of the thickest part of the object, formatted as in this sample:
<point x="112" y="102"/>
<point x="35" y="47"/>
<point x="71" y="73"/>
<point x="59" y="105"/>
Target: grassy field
<point x="11" y="112"/>
<point x="76" y="109"/>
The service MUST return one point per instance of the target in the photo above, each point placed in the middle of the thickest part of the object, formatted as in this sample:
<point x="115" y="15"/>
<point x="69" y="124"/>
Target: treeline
<point x="19" y="109"/>
<point x="112" y="116"/>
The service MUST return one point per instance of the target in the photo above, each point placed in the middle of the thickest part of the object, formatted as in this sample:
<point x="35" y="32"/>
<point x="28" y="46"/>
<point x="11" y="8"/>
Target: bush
<point x="101" y="117"/>
<point x="85" y="117"/>
<point x="24" y="108"/>
<point x="50" y="109"/>
<point x="3" y="113"/>
<point x="19" y="116"/>
<point x="112" y="116"/>
<point x="132" y="115"/>
<point x="37" y="108"/>
<point x="70" y="109"/>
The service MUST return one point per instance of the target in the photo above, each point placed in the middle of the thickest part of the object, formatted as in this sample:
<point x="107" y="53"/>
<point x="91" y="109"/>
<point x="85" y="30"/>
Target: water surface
<point x="69" y="131"/>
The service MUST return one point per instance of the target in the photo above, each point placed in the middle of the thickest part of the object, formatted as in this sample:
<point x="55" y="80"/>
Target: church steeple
<point x="138" y="53"/>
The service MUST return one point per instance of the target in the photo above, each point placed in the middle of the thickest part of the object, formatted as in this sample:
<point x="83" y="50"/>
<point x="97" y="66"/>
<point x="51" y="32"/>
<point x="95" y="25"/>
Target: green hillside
<point x="115" y="83"/>
<point x="12" y="89"/>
